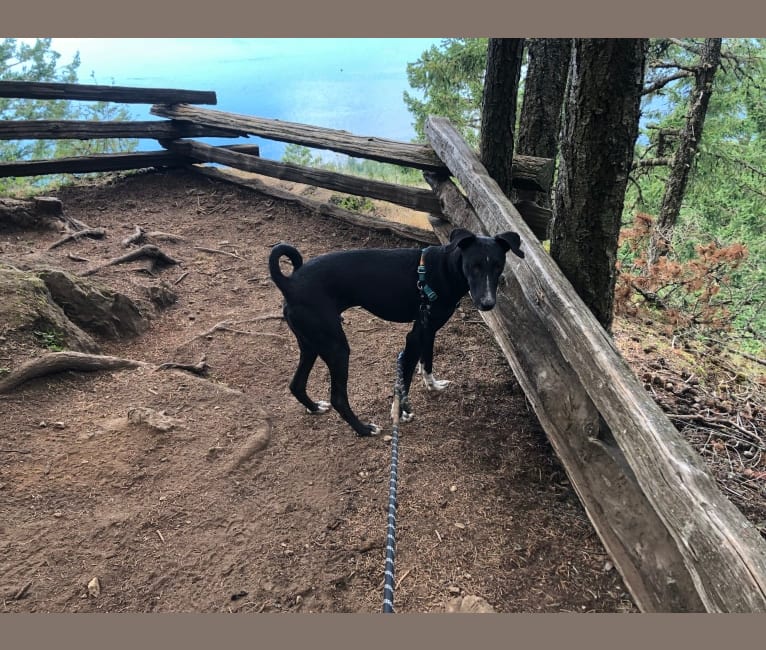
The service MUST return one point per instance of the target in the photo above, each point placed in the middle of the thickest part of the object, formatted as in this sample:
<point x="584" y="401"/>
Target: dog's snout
<point x="486" y="304"/>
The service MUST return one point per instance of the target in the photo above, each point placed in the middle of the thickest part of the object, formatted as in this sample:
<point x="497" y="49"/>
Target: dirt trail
<point x="247" y="503"/>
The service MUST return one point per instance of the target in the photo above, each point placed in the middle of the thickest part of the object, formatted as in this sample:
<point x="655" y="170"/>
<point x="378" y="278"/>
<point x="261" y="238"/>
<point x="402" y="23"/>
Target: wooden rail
<point x="528" y="172"/>
<point x="679" y="543"/>
<point x="107" y="162"/>
<point x="409" y="197"/>
<point x="93" y="129"/>
<point x="93" y="92"/>
<point x="188" y="122"/>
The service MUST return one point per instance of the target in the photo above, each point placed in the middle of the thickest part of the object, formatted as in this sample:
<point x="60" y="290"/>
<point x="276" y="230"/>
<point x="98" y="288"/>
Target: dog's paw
<point x="434" y="385"/>
<point x="322" y="407"/>
<point x="369" y="430"/>
<point x="407" y="416"/>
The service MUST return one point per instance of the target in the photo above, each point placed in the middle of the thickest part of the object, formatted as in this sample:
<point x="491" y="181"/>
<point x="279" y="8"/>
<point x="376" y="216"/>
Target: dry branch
<point x="216" y="251"/>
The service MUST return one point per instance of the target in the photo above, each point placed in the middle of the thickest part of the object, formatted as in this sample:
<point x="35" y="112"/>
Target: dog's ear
<point x="510" y="241"/>
<point x="461" y="237"/>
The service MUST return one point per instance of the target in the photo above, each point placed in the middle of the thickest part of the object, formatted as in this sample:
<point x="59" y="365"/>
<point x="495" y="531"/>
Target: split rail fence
<point x="678" y="542"/>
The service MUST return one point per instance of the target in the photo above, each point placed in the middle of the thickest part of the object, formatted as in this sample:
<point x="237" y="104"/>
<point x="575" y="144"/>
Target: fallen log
<point x="324" y="209"/>
<point x="679" y="544"/>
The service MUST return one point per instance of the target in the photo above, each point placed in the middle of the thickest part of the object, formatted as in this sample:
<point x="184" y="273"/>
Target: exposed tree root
<point x="216" y="251"/>
<point x="257" y="443"/>
<point x="139" y="236"/>
<point x="56" y="362"/>
<point x="154" y="254"/>
<point x="200" y="368"/>
<point x="228" y="326"/>
<point x="95" y="233"/>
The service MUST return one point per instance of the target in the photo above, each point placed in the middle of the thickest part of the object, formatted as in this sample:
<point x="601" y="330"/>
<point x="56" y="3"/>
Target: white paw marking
<point x="375" y="429"/>
<point x="322" y="407"/>
<point x="433" y="384"/>
<point x="407" y="416"/>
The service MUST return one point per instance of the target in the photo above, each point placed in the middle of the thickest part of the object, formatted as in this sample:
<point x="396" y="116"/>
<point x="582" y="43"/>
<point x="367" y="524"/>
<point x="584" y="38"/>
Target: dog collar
<point x="424" y="288"/>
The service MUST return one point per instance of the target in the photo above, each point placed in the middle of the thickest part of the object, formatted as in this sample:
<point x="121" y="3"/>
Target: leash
<point x="427" y="296"/>
<point x="388" y="584"/>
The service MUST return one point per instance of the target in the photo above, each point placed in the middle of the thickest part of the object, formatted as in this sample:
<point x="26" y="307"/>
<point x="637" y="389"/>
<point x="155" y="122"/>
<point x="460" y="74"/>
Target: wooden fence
<point x="678" y="542"/>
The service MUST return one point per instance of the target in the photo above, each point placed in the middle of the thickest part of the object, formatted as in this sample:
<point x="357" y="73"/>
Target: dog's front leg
<point x="425" y="367"/>
<point x="412" y="350"/>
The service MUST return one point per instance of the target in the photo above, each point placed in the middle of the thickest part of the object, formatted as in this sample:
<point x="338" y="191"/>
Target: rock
<point x="161" y="295"/>
<point x="156" y="420"/>
<point x="27" y="306"/>
<point x="94" y="307"/>
<point x="94" y="588"/>
<point x="469" y="605"/>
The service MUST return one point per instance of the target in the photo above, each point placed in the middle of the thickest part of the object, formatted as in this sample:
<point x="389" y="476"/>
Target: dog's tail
<point x="280" y="279"/>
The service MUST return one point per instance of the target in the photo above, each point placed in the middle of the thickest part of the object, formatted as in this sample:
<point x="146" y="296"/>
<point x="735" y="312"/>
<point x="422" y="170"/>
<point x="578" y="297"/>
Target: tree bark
<point x="498" y="111"/>
<point x="598" y="135"/>
<point x="675" y="188"/>
<point x="540" y="119"/>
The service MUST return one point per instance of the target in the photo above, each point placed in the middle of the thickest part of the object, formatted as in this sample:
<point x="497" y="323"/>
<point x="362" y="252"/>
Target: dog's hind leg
<point x="335" y="353"/>
<point x="300" y="379"/>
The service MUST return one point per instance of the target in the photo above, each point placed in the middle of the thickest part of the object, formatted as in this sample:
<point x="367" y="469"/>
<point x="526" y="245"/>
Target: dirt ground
<point x="246" y="503"/>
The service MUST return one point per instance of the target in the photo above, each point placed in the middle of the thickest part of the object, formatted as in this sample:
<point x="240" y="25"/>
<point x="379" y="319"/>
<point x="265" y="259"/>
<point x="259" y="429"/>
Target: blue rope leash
<point x="388" y="584"/>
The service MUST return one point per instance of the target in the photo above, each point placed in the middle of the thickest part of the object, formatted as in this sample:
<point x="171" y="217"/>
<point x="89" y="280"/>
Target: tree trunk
<point x="498" y="111"/>
<point x="540" y="120"/>
<point x="682" y="162"/>
<point x="600" y="127"/>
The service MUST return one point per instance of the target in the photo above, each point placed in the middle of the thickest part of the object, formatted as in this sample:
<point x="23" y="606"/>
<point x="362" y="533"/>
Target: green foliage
<point x="386" y="172"/>
<point x="50" y="339"/>
<point x="23" y="61"/>
<point x="353" y="203"/>
<point x="297" y="154"/>
<point x="450" y="79"/>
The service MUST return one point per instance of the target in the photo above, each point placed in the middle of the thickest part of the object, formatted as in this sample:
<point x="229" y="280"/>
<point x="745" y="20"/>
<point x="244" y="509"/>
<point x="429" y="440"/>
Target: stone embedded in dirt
<point x="161" y="295"/>
<point x="157" y="420"/>
<point x="94" y="587"/>
<point x="94" y="307"/>
<point x="469" y="605"/>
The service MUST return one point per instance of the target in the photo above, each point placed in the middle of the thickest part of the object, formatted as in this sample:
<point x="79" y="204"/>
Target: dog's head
<point x="482" y="260"/>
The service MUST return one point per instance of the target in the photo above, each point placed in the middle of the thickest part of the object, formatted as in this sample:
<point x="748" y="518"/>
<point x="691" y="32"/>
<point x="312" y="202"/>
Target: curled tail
<point x="282" y="281"/>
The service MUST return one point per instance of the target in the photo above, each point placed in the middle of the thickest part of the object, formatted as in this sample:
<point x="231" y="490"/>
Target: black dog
<point x="399" y="285"/>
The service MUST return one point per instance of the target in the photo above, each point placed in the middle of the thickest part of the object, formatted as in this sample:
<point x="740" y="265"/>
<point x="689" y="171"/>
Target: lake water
<point x="354" y="84"/>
